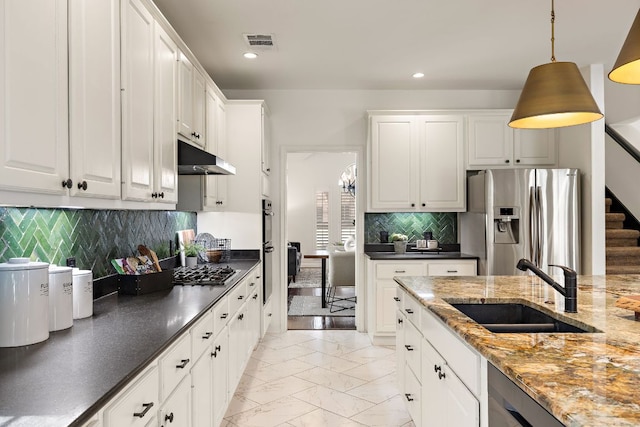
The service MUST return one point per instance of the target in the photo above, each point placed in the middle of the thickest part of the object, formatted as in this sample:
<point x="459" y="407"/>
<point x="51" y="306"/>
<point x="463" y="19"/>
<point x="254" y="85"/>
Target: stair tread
<point x="614" y="216"/>
<point x="622" y="233"/>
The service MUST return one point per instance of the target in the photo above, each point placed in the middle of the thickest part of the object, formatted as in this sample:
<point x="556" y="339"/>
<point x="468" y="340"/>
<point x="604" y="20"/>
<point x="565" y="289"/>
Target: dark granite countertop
<point x="414" y="255"/>
<point x="69" y="377"/>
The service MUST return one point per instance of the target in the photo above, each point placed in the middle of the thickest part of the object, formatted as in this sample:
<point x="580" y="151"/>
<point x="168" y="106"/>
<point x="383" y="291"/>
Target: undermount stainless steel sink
<point x="517" y="318"/>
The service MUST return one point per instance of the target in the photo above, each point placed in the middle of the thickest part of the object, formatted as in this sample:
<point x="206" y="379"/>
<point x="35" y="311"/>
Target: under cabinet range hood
<point x="195" y="161"/>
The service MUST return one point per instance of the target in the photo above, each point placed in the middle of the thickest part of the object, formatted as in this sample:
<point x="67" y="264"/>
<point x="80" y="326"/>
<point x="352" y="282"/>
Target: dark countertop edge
<point x="102" y="401"/>
<point x="412" y="255"/>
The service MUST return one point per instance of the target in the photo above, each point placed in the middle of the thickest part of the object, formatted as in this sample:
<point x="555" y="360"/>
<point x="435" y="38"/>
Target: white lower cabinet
<point x="137" y="404"/>
<point x="382" y="317"/>
<point x="219" y="376"/>
<point x="440" y="377"/>
<point x="176" y="410"/>
<point x="192" y="382"/>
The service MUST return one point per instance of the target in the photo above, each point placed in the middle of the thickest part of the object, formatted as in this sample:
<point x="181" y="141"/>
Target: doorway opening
<point x="321" y="232"/>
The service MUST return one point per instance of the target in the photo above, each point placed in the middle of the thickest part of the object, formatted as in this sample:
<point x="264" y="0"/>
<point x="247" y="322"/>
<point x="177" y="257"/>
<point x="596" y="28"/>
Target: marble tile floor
<point x="318" y="378"/>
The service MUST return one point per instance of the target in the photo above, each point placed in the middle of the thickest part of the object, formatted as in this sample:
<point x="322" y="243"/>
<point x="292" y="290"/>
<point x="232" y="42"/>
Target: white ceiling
<point x="379" y="44"/>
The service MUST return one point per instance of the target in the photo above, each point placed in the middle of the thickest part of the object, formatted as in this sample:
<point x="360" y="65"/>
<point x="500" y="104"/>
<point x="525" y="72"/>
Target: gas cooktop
<point x="203" y="274"/>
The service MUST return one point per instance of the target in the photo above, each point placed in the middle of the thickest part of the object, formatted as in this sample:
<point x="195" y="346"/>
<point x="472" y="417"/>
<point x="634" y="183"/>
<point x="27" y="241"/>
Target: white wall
<point x="244" y="229"/>
<point x="308" y="173"/>
<point x="582" y="147"/>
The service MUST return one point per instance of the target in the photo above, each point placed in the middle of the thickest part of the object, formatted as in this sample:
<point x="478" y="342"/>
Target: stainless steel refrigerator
<point x="522" y="213"/>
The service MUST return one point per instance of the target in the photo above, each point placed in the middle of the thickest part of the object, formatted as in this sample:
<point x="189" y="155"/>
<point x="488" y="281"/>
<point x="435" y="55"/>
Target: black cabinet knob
<point x="441" y="375"/>
<point x="396" y="299"/>
<point x="169" y="417"/>
<point x="255" y="296"/>
<point x="507" y="161"/>
<point x="82" y="185"/>
<point x="67" y="183"/>
<point x="161" y="195"/>
<point x="517" y="160"/>
<point x="413" y="205"/>
<point x="423" y="205"/>
<point x="399" y="321"/>
<point x="154" y="195"/>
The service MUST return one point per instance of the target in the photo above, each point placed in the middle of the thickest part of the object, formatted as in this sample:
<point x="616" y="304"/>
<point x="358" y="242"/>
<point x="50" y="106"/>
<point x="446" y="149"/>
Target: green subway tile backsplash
<point x="93" y="237"/>
<point x="443" y="225"/>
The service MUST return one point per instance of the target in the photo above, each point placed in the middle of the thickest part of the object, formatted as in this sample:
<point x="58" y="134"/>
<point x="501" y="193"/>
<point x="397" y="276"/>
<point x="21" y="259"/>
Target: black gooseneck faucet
<point x="570" y="289"/>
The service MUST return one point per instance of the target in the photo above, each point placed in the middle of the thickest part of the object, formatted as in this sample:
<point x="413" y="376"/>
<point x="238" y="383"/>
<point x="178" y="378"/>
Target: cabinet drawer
<point x="201" y="335"/>
<point x="388" y="271"/>
<point x="413" y="396"/>
<point x="464" y="361"/>
<point x="412" y="348"/>
<point x="412" y="309"/>
<point x="137" y="405"/>
<point x="221" y="315"/>
<point x="237" y="297"/>
<point x="174" y="366"/>
<point x="457" y="268"/>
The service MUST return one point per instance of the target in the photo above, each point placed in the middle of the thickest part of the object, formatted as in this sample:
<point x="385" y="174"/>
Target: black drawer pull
<point x="146" y="407"/>
<point x="452" y="271"/>
<point x="396" y="299"/>
<point x="169" y="417"/>
<point x="408" y="347"/>
<point x="252" y="284"/>
<point x="399" y="321"/>
<point x="441" y="375"/>
<point x="408" y="310"/>
<point x="207" y="335"/>
<point x="437" y="368"/>
<point x="400" y="271"/>
<point x="183" y="363"/>
<point x="241" y="297"/>
<point x="255" y="296"/>
<point x="224" y="315"/>
<point x="408" y="396"/>
<point x="241" y="316"/>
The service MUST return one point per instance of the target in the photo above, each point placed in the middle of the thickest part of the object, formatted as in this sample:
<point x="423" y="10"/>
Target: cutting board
<point x="184" y="236"/>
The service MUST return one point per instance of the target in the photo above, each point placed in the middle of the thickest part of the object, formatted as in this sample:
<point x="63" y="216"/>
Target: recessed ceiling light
<point x="418" y="75"/>
<point x="250" y="55"/>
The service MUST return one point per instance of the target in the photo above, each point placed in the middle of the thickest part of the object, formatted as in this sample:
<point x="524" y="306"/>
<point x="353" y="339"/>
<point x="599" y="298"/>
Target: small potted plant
<point x="399" y="242"/>
<point x="191" y="251"/>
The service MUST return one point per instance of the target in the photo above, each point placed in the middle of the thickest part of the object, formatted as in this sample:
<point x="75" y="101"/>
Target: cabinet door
<point x="201" y="391"/>
<point x="94" y="98"/>
<point x="165" y="143"/>
<point x="461" y="409"/>
<point x="236" y="347"/>
<point x="442" y="172"/>
<point x="534" y="147"/>
<point x="255" y="304"/>
<point x="400" y="355"/>
<point x="214" y="189"/>
<point x="490" y="140"/>
<point x="413" y="396"/>
<point x="137" y="101"/>
<point x="433" y="399"/>
<point x="220" y="371"/>
<point x="185" y="97"/>
<point x="394" y="161"/>
<point x="176" y="410"/>
<point x="198" y="109"/>
<point x="34" y="140"/>
<point x="385" y="306"/>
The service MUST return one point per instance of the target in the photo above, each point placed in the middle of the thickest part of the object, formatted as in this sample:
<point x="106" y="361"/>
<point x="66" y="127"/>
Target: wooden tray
<point x="630" y="302"/>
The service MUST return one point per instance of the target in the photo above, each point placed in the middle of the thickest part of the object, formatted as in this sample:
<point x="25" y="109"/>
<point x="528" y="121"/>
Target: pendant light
<point x="627" y="66"/>
<point x="554" y="95"/>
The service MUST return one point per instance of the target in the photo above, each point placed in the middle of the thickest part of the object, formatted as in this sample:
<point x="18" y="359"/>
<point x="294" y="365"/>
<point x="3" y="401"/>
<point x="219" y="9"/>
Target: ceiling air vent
<point x="260" y="41"/>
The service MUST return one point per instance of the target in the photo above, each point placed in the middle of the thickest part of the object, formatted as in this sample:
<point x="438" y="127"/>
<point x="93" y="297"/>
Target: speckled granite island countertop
<point x="583" y="379"/>
<point x="67" y="378"/>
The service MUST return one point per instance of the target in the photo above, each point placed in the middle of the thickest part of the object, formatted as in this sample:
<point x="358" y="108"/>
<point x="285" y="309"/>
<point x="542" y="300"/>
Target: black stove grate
<point x="203" y="274"/>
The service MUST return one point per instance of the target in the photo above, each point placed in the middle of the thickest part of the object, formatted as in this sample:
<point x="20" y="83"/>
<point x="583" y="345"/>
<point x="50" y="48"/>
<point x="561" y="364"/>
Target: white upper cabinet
<point x="417" y="163"/>
<point x="442" y="173"/>
<point x="34" y="140"/>
<point x="137" y="101"/>
<point x="393" y="151"/>
<point x="191" y="102"/>
<point x="215" y="193"/>
<point x="94" y="98"/>
<point x="492" y="143"/>
<point x="148" y="108"/>
<point x="165" y="144"/>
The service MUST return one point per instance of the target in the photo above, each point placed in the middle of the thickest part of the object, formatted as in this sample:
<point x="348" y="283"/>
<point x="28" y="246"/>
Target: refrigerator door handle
<point x="532" y="224"/>
<point x="540" y="226"/>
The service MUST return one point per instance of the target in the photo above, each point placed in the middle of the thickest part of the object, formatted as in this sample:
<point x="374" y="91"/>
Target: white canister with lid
<point x="60" y="298"/>
<point x="82" y="293"/>
<point x="24" y="302"/>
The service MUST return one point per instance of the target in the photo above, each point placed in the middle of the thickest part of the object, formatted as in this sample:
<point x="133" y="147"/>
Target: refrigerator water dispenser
<point x="506" y="228"/>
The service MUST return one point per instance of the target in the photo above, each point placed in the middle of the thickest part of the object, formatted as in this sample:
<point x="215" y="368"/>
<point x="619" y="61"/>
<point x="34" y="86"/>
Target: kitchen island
<point x="582" y="379"/>
<point x="66" y="379"/>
